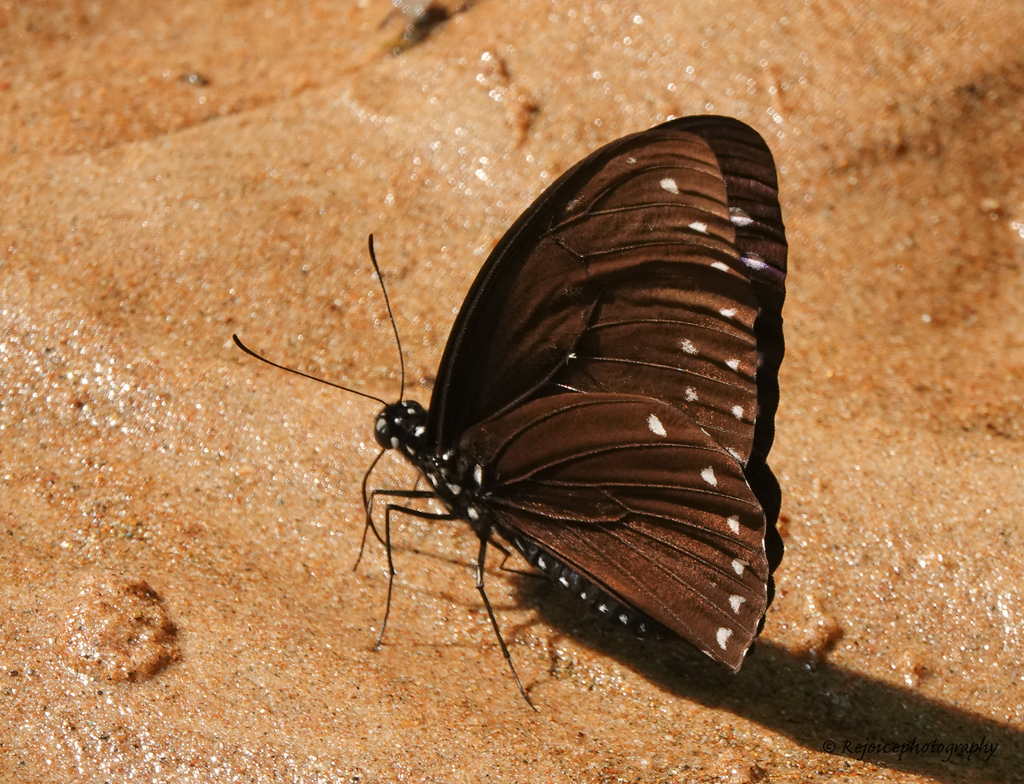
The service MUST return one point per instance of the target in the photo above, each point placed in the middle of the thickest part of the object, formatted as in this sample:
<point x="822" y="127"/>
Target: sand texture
<point x="179" y="524"/>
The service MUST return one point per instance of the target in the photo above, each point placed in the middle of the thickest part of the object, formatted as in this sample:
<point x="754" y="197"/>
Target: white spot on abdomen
<point x="669" y="185"/>
<point x="708" y="475"/>
<point x="655" y="425"/>
<point x="723" y="636"/>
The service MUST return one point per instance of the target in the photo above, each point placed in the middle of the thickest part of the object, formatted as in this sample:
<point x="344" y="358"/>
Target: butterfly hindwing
<point x="637" y="499"/>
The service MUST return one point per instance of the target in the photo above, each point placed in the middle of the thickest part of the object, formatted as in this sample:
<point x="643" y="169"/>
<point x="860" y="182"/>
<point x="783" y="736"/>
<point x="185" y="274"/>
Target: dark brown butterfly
<point x="606" y="400"/>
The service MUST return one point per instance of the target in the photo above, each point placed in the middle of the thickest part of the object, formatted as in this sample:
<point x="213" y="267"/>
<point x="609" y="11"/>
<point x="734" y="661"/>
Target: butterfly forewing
<point x="627" y="274"/>
<point x="535" y="295"/>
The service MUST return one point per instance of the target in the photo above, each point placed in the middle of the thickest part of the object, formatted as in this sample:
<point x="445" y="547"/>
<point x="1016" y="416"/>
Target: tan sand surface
<point x="178" y="524"/>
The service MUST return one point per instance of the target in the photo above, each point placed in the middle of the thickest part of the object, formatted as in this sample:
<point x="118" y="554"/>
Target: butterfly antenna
<point x="391" y="317"/>
<point x="252" y="353"/>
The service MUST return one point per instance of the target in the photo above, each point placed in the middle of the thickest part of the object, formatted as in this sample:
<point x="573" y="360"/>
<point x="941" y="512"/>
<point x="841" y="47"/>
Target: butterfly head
<point x="402" y="424"/>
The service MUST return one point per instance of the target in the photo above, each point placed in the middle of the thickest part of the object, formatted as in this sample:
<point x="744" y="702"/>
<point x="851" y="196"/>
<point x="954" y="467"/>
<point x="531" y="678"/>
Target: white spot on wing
<point x="478" y="475"/>
<point x="733" y="363"/>
<point x="542" y="565"/>
<point x="734" y="524"/>
<point x="698" y="226"/>
<point x="737" y="411"/>
<point x="722" y="636"/>
<point x="669" y="185"/>
<point x="687" y="346"/>
<point x="563" y="581"/>
<point x="754" y="261"/>
<point x="472" y="513"/>
<point x="735" y="602"/>
<point x="739" y="217"/>
<point x="720" y="266"/>
<point x="728" y="312"/>
<point x="655" y="425"/>
<point x="708" y="475"/>
<point x="738" y="566"/>
<point x="690" y="393"/>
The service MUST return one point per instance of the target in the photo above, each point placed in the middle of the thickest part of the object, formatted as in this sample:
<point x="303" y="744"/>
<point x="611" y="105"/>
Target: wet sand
<point x="180" y="523"/>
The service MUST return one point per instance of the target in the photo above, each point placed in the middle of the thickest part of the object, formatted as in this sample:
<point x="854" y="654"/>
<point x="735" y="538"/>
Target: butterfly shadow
<point x="814" y="703"/>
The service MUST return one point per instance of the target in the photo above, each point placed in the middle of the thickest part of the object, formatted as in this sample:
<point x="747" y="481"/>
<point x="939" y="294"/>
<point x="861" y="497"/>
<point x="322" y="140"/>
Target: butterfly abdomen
<point x="581" y="589"/>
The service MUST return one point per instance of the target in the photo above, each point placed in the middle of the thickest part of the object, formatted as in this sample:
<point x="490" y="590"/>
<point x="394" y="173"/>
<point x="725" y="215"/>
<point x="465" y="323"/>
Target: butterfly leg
<point x="481" y="557"/>
<point x="387" y="541"/>
<point x="368" y="506"/>
<point x="508" y="554"/>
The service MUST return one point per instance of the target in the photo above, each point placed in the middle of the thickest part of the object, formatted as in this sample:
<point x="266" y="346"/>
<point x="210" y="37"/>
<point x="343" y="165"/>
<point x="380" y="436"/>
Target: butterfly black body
<point x="605" y="403"/>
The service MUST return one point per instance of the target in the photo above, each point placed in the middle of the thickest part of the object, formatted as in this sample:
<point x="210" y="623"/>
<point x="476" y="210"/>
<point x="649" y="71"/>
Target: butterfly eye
<point x="384" y="430"/>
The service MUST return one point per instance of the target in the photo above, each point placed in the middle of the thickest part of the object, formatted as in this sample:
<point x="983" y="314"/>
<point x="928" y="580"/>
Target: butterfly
<point x="605" y="403"/>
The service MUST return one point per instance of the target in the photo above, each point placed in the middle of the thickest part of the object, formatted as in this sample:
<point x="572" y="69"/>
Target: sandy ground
<point x="179" y="523"/>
